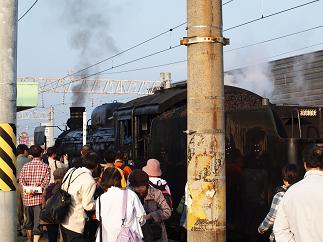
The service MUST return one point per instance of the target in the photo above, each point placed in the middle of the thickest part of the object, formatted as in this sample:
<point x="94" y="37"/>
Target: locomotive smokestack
<point x="76" y="117"/>
<point x="77" y="112"/>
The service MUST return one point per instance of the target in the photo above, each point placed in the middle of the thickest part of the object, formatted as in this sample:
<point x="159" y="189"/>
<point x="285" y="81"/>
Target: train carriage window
<point x="125" y="132"/>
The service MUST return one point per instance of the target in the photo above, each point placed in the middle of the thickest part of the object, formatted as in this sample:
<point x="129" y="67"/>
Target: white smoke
<point x="257" y="78"/>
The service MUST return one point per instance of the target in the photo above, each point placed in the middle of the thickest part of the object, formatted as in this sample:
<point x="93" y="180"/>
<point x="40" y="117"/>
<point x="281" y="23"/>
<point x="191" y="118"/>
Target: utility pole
<point x="8" y="96"/>
<point x="84" y="129"/>
<point x="205" y="121"/>
<point x="51" y="127"/>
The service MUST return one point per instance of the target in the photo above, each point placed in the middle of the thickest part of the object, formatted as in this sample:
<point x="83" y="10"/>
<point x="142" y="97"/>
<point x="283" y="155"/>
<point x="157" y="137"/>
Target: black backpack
<point x="162" y="188"/>
<point x="58" y="205"/>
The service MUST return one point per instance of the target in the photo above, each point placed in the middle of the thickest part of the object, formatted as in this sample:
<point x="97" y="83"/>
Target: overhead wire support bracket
<point x="204" y="39"/>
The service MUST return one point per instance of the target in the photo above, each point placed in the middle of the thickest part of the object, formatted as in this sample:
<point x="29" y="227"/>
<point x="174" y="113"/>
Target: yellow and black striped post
<point x="7" y="157"/>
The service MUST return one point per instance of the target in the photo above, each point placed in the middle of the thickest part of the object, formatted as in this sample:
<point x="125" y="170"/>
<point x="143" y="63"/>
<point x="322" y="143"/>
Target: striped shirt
<point x="34" y="173"/>
<point x="269" y="220"/>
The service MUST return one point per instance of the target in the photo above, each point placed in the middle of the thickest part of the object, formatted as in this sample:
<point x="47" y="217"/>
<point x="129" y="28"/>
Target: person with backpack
<point x="155" y="205"/>
<point x="154" y="172"/>
<point x="289" y="176"/>
<point x="53" y="163"/>
<point x="81" y="186"/>
<point x="52" y="229"/>
<point x="119" y="211"/>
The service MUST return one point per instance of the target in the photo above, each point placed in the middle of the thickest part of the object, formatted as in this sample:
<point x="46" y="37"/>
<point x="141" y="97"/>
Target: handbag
<point x="58" y="205"/>
<point x="126" y="234"/>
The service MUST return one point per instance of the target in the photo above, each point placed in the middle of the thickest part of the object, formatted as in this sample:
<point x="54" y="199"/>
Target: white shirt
<point x="157" y="180"/>
<point x="111" y="214"/>
<point x="82" y="190"/>
<point x="52" y="167"/>
<point x="300" y="214"/>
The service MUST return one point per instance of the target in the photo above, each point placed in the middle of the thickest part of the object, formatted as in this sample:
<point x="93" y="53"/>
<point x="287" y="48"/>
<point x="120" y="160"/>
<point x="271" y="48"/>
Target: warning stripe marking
<point x="8" y="138"/>
<point x="6" y="148"/>
<point x="7" y="181"/>
<point x="4" y="186"/>
<point x="7" y="157"/>
<point x="10" y="162"/>
<point x="7" y="169"/>
<point x="11" y="131"/>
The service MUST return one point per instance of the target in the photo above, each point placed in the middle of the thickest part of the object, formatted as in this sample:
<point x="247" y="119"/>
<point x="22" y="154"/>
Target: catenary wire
<point x="239" y="25"/>
<point x="270" y="15"/>
<point x="227" y="2"/>
<point x="28" y="10"/>
<point x="119" y="53"/>
<point x="145" y="68"/>
<point x="259" y="61"/>
<point x="238" y="48"/>
<point x="124" y="51"/>
<point x="110" y="68"/>
<point x="276" y="38"/>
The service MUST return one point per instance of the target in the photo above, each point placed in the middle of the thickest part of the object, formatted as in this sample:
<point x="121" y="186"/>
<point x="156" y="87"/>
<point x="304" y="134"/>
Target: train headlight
<point x="309" y="112"/>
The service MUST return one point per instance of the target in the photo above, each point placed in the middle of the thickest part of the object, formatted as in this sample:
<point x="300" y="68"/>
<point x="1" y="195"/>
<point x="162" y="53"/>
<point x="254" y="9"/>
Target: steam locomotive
<point x="260" y="139"/>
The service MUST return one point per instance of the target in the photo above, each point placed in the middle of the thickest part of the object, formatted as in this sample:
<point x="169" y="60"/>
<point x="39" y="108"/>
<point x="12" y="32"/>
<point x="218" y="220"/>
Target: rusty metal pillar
<point x="205" y="121"/>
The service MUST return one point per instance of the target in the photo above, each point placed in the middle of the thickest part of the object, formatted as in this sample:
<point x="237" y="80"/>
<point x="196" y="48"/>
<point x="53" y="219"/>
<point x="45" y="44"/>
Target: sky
<point x="58" y="37"/>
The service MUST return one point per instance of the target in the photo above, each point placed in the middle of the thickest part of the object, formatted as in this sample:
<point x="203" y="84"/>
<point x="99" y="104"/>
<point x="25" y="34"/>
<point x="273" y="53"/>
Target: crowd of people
<point x="295" y="213"/>
<point x="109" y="200"/>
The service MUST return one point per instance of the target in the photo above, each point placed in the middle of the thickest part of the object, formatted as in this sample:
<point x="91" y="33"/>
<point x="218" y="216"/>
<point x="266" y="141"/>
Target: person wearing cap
<point x="58" y="175"/>
<point x="154" y="172"/>
<point x="299" y="216"/>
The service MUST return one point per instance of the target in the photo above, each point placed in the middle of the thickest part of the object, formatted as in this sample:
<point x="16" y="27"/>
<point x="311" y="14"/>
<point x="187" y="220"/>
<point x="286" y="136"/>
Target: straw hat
<point x="152" y="168"/>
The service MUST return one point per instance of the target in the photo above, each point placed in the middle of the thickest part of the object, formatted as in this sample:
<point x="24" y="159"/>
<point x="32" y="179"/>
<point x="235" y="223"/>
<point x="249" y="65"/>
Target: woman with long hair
<point x="110" y="206"/>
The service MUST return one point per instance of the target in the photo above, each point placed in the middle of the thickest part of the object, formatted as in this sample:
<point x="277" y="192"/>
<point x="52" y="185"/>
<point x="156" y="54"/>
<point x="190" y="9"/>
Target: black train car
<point x="260" y="139"/>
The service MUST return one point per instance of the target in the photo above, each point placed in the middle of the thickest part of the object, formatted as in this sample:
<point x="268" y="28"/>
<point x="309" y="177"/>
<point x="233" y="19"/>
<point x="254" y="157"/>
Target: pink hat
<point x="152" y="168"/>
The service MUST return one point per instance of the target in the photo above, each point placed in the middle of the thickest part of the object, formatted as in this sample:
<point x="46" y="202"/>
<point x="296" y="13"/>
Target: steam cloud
<point x="257" y="79"/>
<point x="88" y="24"/>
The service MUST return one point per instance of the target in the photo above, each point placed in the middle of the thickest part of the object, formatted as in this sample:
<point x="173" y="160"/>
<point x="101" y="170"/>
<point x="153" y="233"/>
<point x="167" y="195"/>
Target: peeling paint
<point x="206" y="207"/>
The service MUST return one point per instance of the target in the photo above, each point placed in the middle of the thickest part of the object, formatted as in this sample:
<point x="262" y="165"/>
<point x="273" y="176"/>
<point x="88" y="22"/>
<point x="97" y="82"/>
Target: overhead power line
<point x="238" y="48"/>
<point x="276" y="38"/>
<point x="126" y="50"/>
<point x="145" y="68"/>
<point x="154" y="37"/>
<point x="295" y="50"/>
<point x="28" y="10"/>
<point x="112" y="67"/>
<point x="227" y="2"/>
<point x="270" y="15"/>
<point x="259" y="61"/>
<point x="122" y="52"/>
